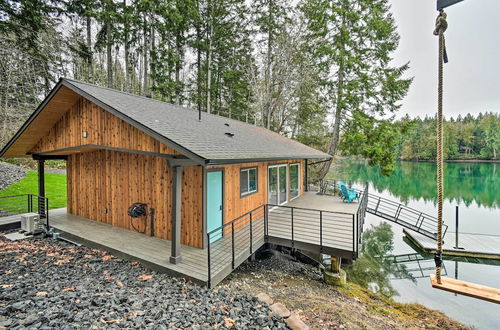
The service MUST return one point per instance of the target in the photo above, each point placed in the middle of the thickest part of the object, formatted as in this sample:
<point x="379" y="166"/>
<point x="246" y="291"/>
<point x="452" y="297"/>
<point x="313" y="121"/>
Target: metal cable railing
<point x="25" y="203"/>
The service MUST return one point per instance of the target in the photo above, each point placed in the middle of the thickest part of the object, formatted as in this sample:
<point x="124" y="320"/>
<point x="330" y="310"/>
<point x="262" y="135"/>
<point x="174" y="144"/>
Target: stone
<point x="279" y="309"/>
<point x="335" y="279"/>
<point x="295" y="323"/>
<point x="265" y="298"/>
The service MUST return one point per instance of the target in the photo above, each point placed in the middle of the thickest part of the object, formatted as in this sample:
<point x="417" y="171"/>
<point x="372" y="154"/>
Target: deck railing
<point x="307" y="227"/>
<point x="25" y="203"/>
<point x="232" y="243"/>
<point x="323" y="231"/>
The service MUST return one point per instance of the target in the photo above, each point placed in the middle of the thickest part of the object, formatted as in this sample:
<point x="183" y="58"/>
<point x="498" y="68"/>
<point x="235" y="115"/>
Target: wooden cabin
<point x="195" y="172"/>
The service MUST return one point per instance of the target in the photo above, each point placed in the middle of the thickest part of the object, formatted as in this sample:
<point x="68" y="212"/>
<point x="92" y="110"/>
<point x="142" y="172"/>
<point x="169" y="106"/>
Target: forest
<point x="318" y="71"/>
<point x="465" y="137"/>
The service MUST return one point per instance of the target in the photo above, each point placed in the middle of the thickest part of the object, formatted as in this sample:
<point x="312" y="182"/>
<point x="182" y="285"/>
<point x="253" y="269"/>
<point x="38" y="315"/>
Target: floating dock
<point x="470" y="245"/>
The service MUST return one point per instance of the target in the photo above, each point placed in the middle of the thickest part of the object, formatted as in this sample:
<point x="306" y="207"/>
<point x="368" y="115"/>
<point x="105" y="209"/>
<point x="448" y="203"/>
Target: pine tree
<point x="352" y="43"/>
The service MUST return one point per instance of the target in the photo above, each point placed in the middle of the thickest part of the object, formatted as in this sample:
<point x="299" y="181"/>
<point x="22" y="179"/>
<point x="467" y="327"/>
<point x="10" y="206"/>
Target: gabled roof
<point x="213" y="140"/>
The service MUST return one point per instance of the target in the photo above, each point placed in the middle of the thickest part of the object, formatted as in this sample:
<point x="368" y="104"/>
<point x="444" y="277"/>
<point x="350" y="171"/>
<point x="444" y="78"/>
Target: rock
<point x="265" y="298"/>
<point x="10" y="174"/>
<point x="81" y="297"/>
<point x="296" y="323"/>
<point x="279" y="309"/>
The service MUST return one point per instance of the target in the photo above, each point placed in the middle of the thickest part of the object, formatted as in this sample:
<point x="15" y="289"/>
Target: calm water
<point x="475" y="188"/>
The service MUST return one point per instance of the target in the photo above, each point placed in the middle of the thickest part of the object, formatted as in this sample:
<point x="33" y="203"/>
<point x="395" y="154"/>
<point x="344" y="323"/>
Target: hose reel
<point x="140" y="210"/>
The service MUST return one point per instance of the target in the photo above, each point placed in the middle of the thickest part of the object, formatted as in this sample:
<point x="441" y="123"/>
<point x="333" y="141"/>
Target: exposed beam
<point x="175" y="257"/>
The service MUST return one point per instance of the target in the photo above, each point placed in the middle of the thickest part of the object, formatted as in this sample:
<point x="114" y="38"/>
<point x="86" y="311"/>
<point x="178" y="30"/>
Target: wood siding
<point x="234" y="204"/>
<point x="113" y="180"/>
<point x="103" y="129"/>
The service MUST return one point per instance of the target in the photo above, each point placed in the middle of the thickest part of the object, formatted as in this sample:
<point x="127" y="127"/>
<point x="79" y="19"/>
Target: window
<point x="294" y="180"/>
<point x="248" y="181"/>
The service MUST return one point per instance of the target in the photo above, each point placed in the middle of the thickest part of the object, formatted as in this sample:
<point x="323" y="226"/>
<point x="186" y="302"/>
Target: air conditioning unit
<point x="30" y="222"/>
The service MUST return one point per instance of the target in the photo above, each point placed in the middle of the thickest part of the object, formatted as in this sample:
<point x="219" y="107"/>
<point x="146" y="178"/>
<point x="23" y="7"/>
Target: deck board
<point x="472" y="245"/>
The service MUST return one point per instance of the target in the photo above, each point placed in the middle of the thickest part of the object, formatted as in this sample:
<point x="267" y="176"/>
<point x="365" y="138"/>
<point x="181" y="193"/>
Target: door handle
<point x="220" y="208"/>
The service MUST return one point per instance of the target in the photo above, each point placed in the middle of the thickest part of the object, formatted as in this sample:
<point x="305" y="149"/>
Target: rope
<point x="441" y="26"/>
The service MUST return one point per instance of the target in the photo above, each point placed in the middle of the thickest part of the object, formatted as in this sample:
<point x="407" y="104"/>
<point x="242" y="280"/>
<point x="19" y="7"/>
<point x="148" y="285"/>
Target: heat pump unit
<point x="30" y="222"/>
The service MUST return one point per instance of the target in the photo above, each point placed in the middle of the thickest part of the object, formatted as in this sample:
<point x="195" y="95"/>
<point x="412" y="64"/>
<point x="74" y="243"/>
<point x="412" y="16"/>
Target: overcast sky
<point x="472" y="75"/>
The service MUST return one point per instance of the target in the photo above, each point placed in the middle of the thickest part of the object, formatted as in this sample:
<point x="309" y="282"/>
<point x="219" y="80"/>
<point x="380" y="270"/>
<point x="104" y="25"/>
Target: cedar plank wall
<point x="234" y="205"/>
<point x="103" y="129"/>
<point x="114" y="180"/>
<point x="109" y="179"/>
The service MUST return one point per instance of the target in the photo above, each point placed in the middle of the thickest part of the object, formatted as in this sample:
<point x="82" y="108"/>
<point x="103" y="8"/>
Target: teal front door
<point x="214" y="204"/>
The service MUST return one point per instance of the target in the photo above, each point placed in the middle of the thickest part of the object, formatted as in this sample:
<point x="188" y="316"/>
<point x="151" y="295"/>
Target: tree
<point x="352" y="43"/>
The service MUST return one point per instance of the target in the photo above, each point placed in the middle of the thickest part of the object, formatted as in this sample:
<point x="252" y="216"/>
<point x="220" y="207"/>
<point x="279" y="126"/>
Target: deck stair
<point x="403" y="215"/>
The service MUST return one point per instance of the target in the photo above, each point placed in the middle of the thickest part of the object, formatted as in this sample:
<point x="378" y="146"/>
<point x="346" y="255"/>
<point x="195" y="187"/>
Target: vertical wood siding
<point x="103" y="129"/>
<point x="114" y="180"/>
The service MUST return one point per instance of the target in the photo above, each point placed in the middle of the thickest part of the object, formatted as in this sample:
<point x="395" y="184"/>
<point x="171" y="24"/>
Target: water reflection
<point x="464" y="182"/>
<point x="373" y="269"/>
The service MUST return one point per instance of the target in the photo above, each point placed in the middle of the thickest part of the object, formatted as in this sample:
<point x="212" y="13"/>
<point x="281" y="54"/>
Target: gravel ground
<point x="47" y="284"/>
<point x="10" y="174"/>
<point x="56" y="171"/>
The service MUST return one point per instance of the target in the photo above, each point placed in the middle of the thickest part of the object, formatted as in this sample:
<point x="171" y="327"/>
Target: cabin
<point x="211" y="190"/>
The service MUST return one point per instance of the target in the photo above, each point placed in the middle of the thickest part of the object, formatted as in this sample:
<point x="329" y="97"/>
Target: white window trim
<point x="249" y="192"/>
<point x="298" y="180"/>
<point x="287" y="181"/>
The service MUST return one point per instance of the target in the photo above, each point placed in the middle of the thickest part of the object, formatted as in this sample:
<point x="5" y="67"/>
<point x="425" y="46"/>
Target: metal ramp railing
<point x="403" y="215"/>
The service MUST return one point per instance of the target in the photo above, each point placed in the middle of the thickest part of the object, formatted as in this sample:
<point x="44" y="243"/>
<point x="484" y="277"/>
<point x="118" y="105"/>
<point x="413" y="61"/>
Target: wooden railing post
<point x="291" y="210"/>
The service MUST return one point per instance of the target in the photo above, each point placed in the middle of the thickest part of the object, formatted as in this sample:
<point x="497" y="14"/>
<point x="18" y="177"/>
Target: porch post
<point x="175" y="257"/>
<point x="41" y="185"/>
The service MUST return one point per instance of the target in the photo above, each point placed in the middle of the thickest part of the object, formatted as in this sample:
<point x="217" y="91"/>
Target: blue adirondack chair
<point x="348" y="195"/>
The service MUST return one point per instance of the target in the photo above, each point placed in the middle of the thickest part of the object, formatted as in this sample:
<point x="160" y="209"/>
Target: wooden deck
<point x="471" y="245"/>
<point x="320" y="224"/>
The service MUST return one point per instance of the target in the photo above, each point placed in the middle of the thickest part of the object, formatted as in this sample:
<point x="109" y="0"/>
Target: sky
<point x="472" y="75"/>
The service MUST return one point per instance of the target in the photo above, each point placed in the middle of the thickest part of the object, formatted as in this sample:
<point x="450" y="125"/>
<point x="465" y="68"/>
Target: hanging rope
<point x="441" y="26"/>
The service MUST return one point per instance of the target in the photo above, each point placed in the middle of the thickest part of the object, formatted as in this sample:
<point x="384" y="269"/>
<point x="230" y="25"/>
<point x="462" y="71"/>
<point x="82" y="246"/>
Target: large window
<point x="248" y="181"/>
<point x="294" y="180"/>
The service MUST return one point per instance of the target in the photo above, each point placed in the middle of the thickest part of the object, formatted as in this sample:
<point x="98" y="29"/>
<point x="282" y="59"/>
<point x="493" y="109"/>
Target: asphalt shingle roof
<point x="206" y="138"/>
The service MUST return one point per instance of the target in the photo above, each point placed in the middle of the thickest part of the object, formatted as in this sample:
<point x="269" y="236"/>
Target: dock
<point x="482" y="246"/>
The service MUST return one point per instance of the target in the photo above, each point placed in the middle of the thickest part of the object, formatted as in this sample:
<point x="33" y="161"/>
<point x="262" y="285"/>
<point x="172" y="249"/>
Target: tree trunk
<point x="210" y="31"/>
<point x="198" y="66"/>
<point x="90" y="66"/>
<point x="332" y="149"/>
<point x="109" y="55"/>
<point x="145" y="87"/>
<point x="127" y="51"/>
<point x="267" y="77"/>
<point x="178" y="62"/>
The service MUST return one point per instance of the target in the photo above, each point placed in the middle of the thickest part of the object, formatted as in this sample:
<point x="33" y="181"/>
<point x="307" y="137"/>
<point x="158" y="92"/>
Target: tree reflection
<point x="373" y="269"/>
<point x="466" y="182"/>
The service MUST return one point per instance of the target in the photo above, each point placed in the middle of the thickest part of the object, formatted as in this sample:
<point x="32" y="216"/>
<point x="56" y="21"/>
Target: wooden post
<point x="41" y="186"/>
<point x="175" y="257"/>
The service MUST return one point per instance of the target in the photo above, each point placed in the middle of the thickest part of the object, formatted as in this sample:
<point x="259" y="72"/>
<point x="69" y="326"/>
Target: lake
<point x="475" y="188"/>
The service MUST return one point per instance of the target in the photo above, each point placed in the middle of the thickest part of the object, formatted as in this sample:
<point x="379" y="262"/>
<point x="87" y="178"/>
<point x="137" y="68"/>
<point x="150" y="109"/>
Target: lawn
<point x="55" y="188"/>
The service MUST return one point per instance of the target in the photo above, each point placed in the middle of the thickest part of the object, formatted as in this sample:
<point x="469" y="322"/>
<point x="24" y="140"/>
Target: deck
<point x="312" y="222"/>
<point x="471" y="245"/>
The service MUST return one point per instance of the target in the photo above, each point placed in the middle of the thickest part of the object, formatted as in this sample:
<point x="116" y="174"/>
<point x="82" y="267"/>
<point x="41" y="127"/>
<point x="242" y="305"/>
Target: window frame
<point x="247" y="170"/>
<point x="290" y="179"/>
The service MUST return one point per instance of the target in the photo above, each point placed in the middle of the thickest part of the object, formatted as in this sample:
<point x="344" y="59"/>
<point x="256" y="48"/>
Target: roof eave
<point x="213" y="162"/>
<point x="31" y="118"/>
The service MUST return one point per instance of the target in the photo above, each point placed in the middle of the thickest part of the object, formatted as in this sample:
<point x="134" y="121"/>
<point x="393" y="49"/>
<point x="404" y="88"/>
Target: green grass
<point x="55" y="188"/>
